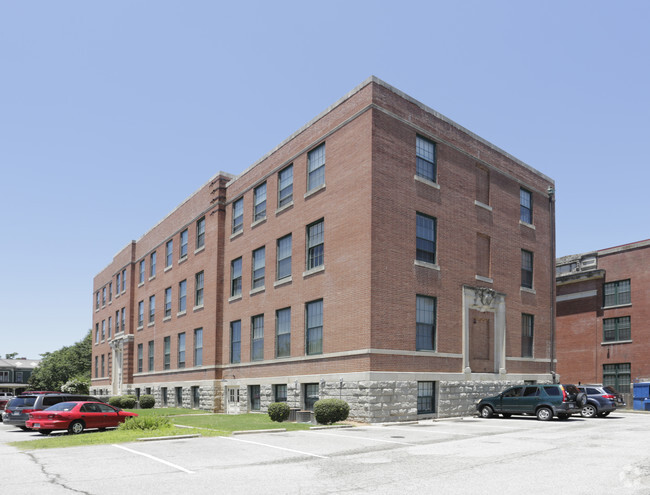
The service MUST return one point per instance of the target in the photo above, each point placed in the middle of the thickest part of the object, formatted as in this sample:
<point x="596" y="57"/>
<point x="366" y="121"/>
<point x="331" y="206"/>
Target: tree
<point x="71" y="363"/>
<point x="11" y="355"/>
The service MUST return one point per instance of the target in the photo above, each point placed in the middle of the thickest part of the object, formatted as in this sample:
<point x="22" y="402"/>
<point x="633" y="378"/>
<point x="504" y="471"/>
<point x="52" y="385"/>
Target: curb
<point x="248" y="432"/>
<point x="330" y="427"/>
<point x="173" y="437"/>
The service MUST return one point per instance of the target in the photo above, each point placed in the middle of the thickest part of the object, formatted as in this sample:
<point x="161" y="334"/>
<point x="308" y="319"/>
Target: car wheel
<point x="544" y="414"/>
<point x="76" y="427"/>
<point x="487" y="412"/>
<point x="563" y="416"/>
<point x="45" y="432"/>
<point x="589" y="411"/>
<point x="506" y="415"/>
<point x="603" y="414"/>
<point x="581" y="399"/>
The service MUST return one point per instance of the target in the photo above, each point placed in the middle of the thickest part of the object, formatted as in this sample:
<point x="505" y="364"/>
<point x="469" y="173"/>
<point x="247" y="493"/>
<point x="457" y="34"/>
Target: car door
<point x="91" y="415"/>
<point x="529" y="399"/>
<point x="510" y="400"/>
<point x="109" y="416"/>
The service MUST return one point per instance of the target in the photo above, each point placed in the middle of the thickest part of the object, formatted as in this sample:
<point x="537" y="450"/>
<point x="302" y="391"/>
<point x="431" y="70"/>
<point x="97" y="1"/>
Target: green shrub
<point x="128" y="401"/>
<point x="328" y="411"/>
<point x="147" y="401"/>
<point x="152" y="422"/>
<point x="279" y="411"/>
<point x="115" y="401"/>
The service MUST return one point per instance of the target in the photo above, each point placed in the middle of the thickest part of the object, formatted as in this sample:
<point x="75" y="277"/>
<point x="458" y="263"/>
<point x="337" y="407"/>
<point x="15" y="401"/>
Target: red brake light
<point x="609" y="396"/>
<point x="27" y="411"/>
<point x="563" y="394"/>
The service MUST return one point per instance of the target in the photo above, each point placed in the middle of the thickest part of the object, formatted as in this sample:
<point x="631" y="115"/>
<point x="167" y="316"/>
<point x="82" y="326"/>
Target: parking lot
<point x="468" y="455"/>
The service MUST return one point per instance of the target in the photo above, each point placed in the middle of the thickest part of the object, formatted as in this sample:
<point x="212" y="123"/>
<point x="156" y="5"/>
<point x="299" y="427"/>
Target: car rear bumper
<point x="11" y="420"/>
<point x="36" y="424"/>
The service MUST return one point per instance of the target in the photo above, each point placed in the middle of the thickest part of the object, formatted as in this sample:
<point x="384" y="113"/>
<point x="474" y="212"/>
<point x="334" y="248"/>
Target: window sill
<point x="258" y="222"/>
<point x="628" y="305"/>
<point x="282" y="281"/>
<point x="141" y="284"/>
<point x="424" y="264"/>
<point x="483" y="205"/>
<point x="313" y="271"/>
<point x="612" y="342"/>
<point x="197" y="308"/>
<point x="167" y="268"/>
<point x="182" y="260"/>
<point x="167" y="318"/>
<point x="526" y="224"/>
<point x="237" y="234"/>
<point x="257" y="290"/>
<point x="315" y="190"/>
<point x="199" y="249"/>
<point x="284" y="208"/>
<point x="153" y="277"/>
<point x="181" y="313"/>
<point x="487" y="280"/>
<point x="526" y="289"/>
<point x="428" y="182"/>
<point x="235" y="298"/>
<point x="139" y="327"/>
<point x="150" y="324"/>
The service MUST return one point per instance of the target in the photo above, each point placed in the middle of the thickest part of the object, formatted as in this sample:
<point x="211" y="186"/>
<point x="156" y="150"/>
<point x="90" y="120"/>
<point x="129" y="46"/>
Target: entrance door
<point x="232" y="400"/>
<point x="481" y="341"/>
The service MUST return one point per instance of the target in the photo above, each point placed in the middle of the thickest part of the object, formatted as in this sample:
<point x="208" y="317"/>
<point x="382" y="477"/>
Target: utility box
<point x="641" y="396"/>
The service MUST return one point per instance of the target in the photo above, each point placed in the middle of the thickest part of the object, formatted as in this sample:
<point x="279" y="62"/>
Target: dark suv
<point x="18" y="409"/>
<point x="543" y="401"/>
<point x="600" y="400"/>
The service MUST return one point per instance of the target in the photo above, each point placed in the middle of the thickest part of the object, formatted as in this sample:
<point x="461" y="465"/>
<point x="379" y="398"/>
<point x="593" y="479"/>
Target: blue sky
<point x="112" y="113"/>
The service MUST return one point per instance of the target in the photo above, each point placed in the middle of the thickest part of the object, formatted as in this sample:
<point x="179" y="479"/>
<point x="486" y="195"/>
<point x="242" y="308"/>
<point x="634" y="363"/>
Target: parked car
<point x="541" y="400"/>
<point x="5" y="397"/>
<point x="17" y="410"/>
<point x="76" y="417"/>
<point x="601" y="400"/>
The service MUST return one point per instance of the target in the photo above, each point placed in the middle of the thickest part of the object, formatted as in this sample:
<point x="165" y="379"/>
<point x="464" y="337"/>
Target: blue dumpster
<point x="641" y="396"/>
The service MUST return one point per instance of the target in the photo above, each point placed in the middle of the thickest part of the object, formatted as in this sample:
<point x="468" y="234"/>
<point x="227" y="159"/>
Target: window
<point x="123" y="312"/>
<point x="284" y="257"/>
<point x="315" y="244"/>
<point x="198" y="290"/>
<point x="526" y="269"/>
<point x="168" y="302"/>
<point x="103" y="296"/>
<point x="140" y="358"/>
<point x="618" y="376"/>
<point x="314" y="323"/>
<point x="316" y="167"/>
<point x="238" y="216"/>
<point x="140" y="313"/>
<point x="117" y="321"/>
<point x="163" y="395"/>
<point x="311" y="395"/>
<point x="183" y="251"/>
<point x="103" y="330"/>
<point x="152" y="265"/>
<point x="525" y="206"/>
<point x="617" y="293"/>
<point x="167" y="353"/>
<point x="96" y="366"/>
<point x="181" y="350"/>
<point x="235" y="277"/>
<point x="280" y="393"/>
<point x="110" y="291"/>
<point x="257" y="335"/>
<point x="141" y="272"/>
<point x="97" y="300"/>
<point x="615" y="329"/>
<point x="110" y="326"/>
<point x="169" y="253"/>
<point x="179" y="396"/>
<point x="425" y="339"/>
<point x="150" y="356"/>
<point x="425" y="152"/>
<point x="196" y="396"/>
<point x="123" y="280"/>
<point x="235" y="341"/>
<point x="527" y="334"/>
<point x="425" y="238"/>
<point x="482" y="255"/>
<point x="200" y="233"/>
<point x="283" y="332"/>
<point x="259" y="256"/>
<point x="182" y="296"/>
<point x="118" y="283"/>
<point x="198" y="347"/>
<point x="425" y="397"/>
<point x="259" y="203"/>
<point x="152" y="308"/>
<point x="482" y="185"/>
<point x="285" y="186"/>
<point x="254" y="395"/>
<point x="103" y="369"/>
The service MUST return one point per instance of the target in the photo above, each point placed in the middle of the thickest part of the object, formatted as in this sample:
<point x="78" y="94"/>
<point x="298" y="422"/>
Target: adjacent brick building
<point x="382" y="254"/>
<point x="603" y="334"/>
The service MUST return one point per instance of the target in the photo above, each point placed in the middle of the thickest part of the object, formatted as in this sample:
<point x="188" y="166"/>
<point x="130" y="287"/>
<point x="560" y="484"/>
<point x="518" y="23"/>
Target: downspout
<point x="551" y="213"/>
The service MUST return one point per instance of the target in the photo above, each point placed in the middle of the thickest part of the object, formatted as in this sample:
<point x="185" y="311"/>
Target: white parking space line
<point x="421" y="429"/>
<point x="352" y="437"/>
<point x="175" y="466"/>
<point x="274" y="447"/>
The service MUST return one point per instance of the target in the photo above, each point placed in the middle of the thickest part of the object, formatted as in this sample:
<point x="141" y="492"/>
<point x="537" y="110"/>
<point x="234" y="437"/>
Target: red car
<point x="76" y="417"/>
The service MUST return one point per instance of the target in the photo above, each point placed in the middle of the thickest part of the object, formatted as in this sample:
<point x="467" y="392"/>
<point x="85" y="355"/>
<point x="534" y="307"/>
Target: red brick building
<point x="382" y="254"/>
<point x="603" y="334"/>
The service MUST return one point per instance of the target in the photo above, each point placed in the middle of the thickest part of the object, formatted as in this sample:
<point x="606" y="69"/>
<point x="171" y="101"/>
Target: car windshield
<point x="22" y="402"/>
<point x="62" y="406"/>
